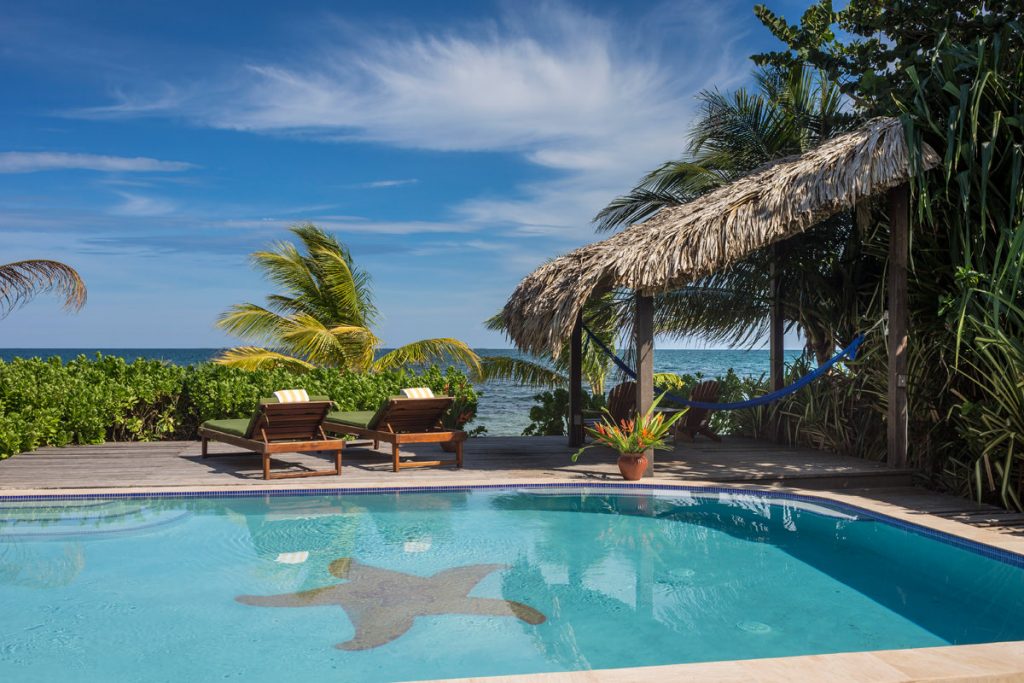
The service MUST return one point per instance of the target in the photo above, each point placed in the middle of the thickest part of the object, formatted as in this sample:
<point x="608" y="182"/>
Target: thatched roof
<point x="684" y="243"/>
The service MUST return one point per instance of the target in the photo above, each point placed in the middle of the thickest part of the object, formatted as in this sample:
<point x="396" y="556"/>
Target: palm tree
<point x="788" y="113"/>
<point x="21" y="281"/>
<point x="324" y="318"/>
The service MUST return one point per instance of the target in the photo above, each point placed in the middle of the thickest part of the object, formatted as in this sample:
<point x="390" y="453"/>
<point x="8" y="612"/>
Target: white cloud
<point x="598" y="100"/>
<point x="381" y="184"/>
<point x="140" y="205"/>
<point x="30" y="162"/>
<point x="369" y="227"/>
<point x="558" y="86"/>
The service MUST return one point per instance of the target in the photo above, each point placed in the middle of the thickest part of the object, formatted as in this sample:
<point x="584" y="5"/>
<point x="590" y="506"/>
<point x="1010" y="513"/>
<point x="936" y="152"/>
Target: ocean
<point x="504" y="407"/>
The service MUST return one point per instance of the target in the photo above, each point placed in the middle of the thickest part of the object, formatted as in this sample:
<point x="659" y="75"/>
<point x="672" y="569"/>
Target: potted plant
<point x="632" y="437"/>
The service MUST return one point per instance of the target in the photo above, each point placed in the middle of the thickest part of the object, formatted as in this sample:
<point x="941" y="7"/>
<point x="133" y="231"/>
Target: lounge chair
<point x="698" y="420"/>
<point x="402" y="420"/>
<point x="279" y="428"/>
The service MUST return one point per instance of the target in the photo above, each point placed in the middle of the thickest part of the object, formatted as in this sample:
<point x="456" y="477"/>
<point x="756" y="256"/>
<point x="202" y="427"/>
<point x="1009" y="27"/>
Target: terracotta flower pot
<point x="632" y="465"/>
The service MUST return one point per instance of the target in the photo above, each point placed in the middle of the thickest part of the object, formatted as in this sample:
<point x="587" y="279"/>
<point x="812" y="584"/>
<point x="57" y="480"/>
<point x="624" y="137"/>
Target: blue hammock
<point x="850" y="351"/>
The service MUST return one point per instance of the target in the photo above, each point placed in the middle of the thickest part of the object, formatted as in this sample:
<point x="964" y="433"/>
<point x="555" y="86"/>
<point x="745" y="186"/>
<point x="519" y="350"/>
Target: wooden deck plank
<point x="177" y="463"/>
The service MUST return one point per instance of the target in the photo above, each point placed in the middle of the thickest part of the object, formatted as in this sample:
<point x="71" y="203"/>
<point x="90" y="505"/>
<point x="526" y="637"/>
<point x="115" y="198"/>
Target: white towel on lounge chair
<point x="418" y="392"/>
<point x="292" y="396"/>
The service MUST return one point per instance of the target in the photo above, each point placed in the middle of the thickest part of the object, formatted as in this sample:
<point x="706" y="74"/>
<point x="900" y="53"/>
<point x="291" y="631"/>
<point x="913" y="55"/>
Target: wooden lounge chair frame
<point x="284" y="428"/>
<point x="408" y="420"/>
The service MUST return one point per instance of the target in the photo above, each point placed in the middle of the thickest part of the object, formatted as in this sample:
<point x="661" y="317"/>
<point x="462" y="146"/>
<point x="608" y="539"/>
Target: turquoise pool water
<point x="388" y="587"/>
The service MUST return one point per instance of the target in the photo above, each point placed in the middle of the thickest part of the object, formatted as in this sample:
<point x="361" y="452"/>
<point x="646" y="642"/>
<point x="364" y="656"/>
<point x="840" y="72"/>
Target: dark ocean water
<point x="503" y="407"/>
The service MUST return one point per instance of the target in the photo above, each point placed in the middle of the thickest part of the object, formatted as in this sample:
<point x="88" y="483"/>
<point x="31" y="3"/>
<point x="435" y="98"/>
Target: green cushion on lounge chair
<point x="234" y="427"/>
<point x="356" y="418"/>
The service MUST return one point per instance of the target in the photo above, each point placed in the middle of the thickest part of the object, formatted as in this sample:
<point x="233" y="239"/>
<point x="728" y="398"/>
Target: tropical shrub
<point x="954" y="73"/>
<point x="106" y="398"/>
<point x="549" y="415"/>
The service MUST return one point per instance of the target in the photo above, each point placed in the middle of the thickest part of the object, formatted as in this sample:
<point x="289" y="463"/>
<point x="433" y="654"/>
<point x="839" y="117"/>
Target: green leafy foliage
<point x="953" y="70"/>
<point x="840" y="411"/>
<point x="549" y="416"/>
<point x="731" y="387"/>
<point x="869" y="45"/>
<point x="92" y="400"/>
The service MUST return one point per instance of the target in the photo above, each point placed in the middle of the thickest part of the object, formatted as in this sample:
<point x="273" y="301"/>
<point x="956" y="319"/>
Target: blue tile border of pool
<point x="992" y="552"/>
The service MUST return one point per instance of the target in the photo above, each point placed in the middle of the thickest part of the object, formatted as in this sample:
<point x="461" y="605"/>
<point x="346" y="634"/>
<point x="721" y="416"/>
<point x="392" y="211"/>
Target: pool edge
<point x="987" y="662"/>
<point x="986" y="542"/>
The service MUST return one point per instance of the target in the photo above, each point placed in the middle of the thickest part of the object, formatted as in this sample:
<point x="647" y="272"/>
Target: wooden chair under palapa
<point x="698" y="420"/>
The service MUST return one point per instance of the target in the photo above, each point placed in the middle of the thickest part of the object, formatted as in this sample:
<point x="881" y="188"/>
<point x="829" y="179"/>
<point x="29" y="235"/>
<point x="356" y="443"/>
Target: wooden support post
<point x="576" y="433"/>
<point x="776" y="337"/>
<point x="776" y="333"/>
<point x="899" y="242"/>
<point x="643" y="332"/>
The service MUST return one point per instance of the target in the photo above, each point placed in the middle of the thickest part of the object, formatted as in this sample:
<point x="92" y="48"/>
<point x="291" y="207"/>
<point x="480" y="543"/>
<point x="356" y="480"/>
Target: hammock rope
<point x="850" y="351"/>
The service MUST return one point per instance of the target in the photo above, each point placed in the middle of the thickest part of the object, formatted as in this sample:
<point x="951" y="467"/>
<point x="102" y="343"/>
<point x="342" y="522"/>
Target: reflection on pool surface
<point x="409" y="586"/>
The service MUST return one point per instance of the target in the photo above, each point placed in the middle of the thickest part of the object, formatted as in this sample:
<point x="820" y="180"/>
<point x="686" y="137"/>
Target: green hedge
<point x="106" y="398"/>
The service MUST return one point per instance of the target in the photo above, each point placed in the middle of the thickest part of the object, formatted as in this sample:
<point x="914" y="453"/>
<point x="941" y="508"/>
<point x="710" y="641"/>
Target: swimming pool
<point x="418" y="585"/>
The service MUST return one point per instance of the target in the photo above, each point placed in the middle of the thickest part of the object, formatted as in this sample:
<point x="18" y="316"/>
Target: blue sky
<point x="453" y="146"/>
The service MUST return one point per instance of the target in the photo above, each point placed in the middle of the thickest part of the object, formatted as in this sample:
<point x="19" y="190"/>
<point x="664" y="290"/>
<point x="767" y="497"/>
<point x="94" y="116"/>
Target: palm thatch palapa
<point x="685" y="243"/>
<point x="681" y="244"/>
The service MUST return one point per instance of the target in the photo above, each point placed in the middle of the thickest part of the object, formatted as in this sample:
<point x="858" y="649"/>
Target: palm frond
<point x="253" y="323"/>
<point x="520" y="371"/>
<point x="349" y="300"/>
<point x="21" y="281"/>
<point x="426" y="351"/>
<point x="309" y="338"/>
<point x="256" y="358"/>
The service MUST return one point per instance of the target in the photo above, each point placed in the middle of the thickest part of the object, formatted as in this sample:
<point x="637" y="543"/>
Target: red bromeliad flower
<point x="634" y="435"/>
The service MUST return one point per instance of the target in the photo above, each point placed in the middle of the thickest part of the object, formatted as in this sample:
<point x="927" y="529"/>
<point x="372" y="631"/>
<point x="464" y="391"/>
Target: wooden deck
<point x="178" y="463"/>
<point x="497" y="459"/>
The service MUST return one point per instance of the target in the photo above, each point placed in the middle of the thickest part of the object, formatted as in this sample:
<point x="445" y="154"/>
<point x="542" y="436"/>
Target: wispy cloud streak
<point x="31" y="162"/>
<point x="382" y="184"/>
